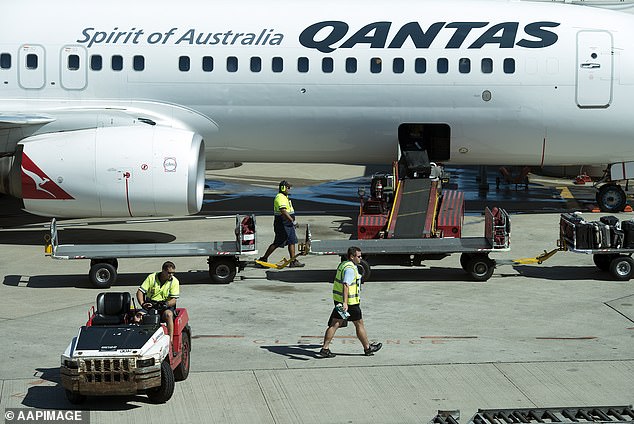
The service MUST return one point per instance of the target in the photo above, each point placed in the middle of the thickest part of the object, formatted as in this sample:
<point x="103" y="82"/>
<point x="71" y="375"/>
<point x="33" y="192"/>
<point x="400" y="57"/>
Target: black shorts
<point x="284" y="232"/>
<point x="353" y="310"/>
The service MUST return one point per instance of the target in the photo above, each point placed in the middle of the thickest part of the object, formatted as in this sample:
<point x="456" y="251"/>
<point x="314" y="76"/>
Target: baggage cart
<point x="474" y="251"/>
<point x="223" y="257"/>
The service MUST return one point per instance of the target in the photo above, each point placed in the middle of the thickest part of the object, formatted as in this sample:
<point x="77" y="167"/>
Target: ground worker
<point x="159" y="291"/>
<point x="345" y="291"/>
<point x="283" y="225"/>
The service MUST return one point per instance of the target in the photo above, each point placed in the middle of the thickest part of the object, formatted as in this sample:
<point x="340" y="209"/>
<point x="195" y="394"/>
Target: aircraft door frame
<point x="32" y="75"/>
<point x="73" y="71"/>
<point x="595" y="69"/>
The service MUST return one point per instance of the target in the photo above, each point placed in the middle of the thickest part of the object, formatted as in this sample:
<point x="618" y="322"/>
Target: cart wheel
<point x="102" y="275"/>
<point x="364" y="270"/>
<point x="603" y="261"/>
<point x="622" y="267"/>
<point x="222" y="270"/>
<point x="114" y="262"/>
<point x="464" y="260"/>
<point x="182" y="370"/>
<point x="480" y="267"/>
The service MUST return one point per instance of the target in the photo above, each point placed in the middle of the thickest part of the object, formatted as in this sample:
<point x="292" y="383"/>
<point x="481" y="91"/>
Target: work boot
<point x="296" y="264"/>
<point x="374" y="347"/>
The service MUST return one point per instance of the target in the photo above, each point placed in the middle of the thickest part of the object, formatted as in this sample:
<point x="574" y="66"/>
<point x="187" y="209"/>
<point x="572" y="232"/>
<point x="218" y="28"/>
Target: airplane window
<point x="96" y="62"/>
<point x="327" y="65"/>
<point x="509" y="66"/>
<point x="277" y="64"/>
<point x="420" y="65"/>
<point x="398" y="65"/>
<point x="464" y="65"/>
<point x="232" y="64"/>
<point x="73" y="62"/>
<point x="138" y="63"/>
<point x="117" y="63"/>
<point x="351" y="65"/>
<point x="442" y="65"/>
<point x="5" y="61"/>
<point x="184" y="63"/>
<point x="302" y="64"/>
<point x="256" y="64"/>
<point x="487" y="65"/>
<point x="31" y="61"/>
<point x="208" y="63"/>
<point x="376" y="64"/>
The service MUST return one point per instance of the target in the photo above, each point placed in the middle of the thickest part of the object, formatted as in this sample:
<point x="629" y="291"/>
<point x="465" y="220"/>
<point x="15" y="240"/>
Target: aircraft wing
<point x="12" y="120"/>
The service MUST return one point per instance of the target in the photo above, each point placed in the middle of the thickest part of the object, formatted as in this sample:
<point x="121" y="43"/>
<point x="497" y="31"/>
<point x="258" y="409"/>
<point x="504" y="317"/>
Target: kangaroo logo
<point x="37" y="185"/>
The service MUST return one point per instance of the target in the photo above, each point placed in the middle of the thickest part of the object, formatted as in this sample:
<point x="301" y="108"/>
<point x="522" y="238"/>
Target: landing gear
<point x="611" y="198"/>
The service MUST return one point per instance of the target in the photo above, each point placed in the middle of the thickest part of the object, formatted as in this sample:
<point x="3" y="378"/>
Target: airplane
<point x="114" y="108"/>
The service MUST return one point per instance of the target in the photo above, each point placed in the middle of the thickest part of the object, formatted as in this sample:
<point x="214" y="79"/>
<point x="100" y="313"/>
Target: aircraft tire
<point x="611" y="198"/>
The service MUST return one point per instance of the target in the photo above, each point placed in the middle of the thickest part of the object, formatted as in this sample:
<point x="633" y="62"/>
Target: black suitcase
<point x="603" y="239"/>
<point x="584" y="235"/>
<point x="609" y="220"/>
<point x="567" y="224"/>
<point x="628" y="232"/>
<point x="617" y="238"/>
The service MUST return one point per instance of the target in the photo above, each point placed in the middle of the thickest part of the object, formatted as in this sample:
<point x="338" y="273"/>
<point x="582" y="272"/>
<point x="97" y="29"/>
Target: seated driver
<point x="160" y="291"/>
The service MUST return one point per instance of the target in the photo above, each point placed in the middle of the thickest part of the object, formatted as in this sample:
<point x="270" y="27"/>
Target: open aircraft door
<point x="594" y="69"/>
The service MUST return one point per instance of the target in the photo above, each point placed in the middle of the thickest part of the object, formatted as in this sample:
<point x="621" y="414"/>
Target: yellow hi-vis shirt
<point x="353" y="289"/>
<point x="282" y="202"/>
<point x="155" y="291"/>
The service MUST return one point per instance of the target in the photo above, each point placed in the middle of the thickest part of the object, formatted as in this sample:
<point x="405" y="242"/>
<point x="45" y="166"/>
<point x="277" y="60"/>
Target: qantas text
<point x="325" y="36"/>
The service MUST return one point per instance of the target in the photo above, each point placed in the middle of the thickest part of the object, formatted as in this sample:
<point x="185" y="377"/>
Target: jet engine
<point x="108" y="172"/>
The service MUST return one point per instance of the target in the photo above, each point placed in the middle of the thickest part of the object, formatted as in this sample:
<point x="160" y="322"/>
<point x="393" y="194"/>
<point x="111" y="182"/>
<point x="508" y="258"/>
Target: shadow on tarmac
<point x="82" y="281"/>
<point x="42" y="396"/>
<point x="296" y="352"/>
<point x="565" y="273"/>
<point x="84" y="236"/>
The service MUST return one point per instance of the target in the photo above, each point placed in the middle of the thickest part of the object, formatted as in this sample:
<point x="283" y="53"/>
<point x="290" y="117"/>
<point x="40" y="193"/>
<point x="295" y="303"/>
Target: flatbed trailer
<point x="223" y="257"/>
<point x="617" y="261"/>
<point x="474" y="251"/>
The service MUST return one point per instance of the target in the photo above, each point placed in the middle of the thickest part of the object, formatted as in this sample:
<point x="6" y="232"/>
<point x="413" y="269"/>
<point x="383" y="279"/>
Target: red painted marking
<point x="37" y="185"/>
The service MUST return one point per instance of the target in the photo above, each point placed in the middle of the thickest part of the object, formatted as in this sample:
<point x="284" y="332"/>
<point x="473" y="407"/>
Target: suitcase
<point x="617" y="238"/>
<point x="568" y="223"/>
<point x="628" y="234"/>
<point x="602" y="238"/>
<point x="584" y="232"/>
<point x="609" y="220"/>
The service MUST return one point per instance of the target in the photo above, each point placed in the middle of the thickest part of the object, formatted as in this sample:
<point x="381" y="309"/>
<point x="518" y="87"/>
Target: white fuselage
<point x="512" y="82"/>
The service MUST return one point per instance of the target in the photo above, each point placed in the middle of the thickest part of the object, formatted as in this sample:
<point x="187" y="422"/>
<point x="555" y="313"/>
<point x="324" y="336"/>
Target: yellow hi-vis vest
<point x="353" y="290"/>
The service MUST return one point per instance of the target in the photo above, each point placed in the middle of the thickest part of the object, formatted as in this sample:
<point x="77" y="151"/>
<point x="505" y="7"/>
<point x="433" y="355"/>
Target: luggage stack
<point x="607" y="233"/>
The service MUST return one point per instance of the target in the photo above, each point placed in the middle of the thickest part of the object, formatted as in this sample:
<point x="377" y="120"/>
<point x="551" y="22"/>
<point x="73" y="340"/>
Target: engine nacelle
<point x="111" y="172"/>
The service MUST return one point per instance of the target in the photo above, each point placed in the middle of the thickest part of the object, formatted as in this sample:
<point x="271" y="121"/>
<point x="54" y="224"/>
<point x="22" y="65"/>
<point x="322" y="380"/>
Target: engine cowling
<point x="110" y="172"/>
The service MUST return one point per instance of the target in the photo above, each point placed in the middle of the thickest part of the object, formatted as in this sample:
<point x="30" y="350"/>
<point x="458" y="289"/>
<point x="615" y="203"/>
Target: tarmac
<point x="559" y="334"/>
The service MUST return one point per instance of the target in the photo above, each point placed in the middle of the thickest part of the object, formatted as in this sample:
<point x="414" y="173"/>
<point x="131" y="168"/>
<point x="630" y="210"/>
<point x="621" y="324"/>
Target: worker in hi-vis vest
<point x="345" y="294"/>
<point x="283" y="224"/>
